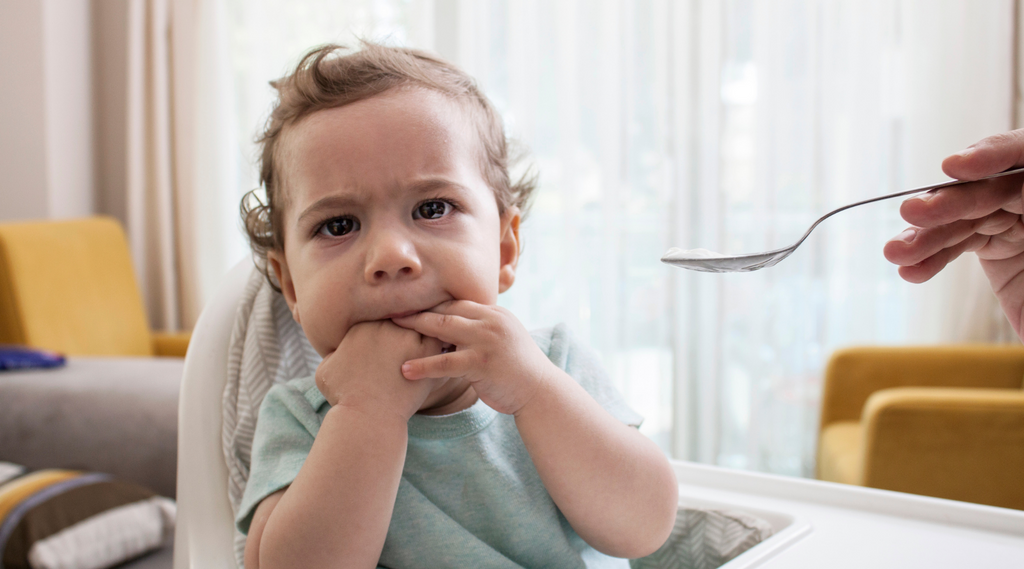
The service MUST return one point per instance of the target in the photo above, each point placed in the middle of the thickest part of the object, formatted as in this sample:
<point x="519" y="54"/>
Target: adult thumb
<point x="988" y="156"/>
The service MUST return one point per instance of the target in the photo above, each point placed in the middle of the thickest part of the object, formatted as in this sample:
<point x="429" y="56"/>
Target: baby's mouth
<point x="447" y="348"/>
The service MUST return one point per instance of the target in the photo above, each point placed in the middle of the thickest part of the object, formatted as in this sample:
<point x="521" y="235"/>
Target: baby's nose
<point x="391" y="256"/>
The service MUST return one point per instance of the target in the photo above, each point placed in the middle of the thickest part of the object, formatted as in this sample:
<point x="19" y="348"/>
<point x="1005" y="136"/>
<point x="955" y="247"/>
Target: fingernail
<point x="406" y="368"/>
<point x="907" y="236"/>
<point x="966" y="152"/>
<point x="920" y="197"/>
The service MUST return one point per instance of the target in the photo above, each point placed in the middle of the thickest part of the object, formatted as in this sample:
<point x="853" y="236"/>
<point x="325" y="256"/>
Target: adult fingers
<point x="1004" y="244"/>
<point x="987" y="156"/>
<point x="998" y="223"/>
<point x="931" y="266"/>
<point x="452" y="364"/>
<point x="917" y="244"/>
<point x="445" y="327"/>
<point x="1007" y="278"/>
<point x="969" y="201"/>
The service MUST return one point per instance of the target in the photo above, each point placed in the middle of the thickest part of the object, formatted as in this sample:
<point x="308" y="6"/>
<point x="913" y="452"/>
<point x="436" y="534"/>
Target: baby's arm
<point x="337" y="510"/>
<point x="255" y="535"/>
<point x="614" y="485"/>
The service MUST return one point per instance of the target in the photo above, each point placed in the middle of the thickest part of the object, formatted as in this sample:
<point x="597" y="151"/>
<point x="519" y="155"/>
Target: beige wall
<point x="23" y="187"/>
<point x="55" y="89"/>
<point x="110" y="92"/>
<point x="67" y="85"/>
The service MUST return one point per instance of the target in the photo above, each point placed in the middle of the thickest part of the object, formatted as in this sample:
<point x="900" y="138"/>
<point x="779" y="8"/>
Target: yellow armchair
<point x="944" y="421"/>
<point x="69" y="286"/>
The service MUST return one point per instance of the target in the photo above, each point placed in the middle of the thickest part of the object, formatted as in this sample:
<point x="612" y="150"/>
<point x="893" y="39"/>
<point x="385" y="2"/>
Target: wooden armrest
<point x="171" y="344"/>
<point x="853" y="374"/>
<point x="960" y="444"/>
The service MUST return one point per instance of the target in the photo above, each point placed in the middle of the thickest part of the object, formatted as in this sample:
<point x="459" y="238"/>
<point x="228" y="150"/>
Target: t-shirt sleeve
<point x="285" y="428"/>
<point x="583" y="365"/>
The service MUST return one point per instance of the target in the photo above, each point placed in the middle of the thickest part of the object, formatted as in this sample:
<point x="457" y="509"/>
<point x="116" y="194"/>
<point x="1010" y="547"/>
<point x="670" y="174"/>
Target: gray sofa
<point x="112" y="415"/>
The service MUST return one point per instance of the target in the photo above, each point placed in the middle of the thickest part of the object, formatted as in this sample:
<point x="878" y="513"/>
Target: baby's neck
<point x="459" y="399"/>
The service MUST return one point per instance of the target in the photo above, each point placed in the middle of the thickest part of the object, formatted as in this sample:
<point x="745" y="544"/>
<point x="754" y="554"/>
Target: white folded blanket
<point x="266" y="347"/>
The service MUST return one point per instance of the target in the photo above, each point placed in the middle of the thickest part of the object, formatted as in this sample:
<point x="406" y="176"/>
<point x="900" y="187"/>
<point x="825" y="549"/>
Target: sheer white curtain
<point x="729" y="125"/>
<point x="178" y="191"/>
<point x="818" y="104"/>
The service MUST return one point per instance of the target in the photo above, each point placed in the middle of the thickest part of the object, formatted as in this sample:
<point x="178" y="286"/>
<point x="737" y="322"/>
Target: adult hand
<point x="984" y="217"/>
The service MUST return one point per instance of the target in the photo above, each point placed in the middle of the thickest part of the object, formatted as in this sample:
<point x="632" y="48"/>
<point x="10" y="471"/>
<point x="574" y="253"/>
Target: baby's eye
<point x="339" y="226"/>
<point x="433" y="209"/>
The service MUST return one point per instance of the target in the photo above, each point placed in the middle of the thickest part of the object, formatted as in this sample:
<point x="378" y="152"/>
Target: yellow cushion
<point x="171" y="344"/>
<point x="959" y="444"/>
<point x="69" y="286"/>
<point x="839" y="452"/>
<point x="853" y="374"/>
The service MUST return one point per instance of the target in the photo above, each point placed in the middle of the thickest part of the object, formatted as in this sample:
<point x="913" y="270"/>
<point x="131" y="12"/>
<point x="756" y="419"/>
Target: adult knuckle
<point x="1003" y="139"/>
<point x="1015" y="233"/>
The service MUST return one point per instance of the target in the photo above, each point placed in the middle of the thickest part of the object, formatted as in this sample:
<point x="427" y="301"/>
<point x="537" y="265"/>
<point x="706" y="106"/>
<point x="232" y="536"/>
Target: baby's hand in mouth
<point x="492" y="350"/>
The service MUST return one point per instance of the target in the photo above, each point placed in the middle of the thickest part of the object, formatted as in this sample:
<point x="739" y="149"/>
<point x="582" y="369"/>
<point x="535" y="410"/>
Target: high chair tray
<point x="822" y="524"/>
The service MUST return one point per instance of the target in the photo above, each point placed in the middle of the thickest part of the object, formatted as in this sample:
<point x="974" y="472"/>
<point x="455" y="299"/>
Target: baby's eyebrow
<point x="433" y="184"/>
<point x="327" y="203"/>
<point x="336" y="202"/>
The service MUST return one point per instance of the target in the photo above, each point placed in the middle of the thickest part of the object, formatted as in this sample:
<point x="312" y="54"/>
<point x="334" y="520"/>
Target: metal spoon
<point x="711" y="262"/>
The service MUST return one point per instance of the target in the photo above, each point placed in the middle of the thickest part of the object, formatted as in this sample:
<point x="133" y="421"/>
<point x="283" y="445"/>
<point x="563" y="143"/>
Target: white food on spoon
<point x="677" y="254"/>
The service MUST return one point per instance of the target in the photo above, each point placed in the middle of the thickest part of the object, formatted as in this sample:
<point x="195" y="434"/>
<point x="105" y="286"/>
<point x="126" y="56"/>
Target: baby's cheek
<point x="323" y="335"/>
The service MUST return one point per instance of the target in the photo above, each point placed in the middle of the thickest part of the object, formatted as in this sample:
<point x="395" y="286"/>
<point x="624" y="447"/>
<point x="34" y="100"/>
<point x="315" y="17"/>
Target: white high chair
<point x="204" y="532"/>
<point x="815" y="523"/>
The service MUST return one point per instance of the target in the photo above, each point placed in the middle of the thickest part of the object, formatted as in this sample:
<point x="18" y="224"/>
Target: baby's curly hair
<point x="332" y="76"/>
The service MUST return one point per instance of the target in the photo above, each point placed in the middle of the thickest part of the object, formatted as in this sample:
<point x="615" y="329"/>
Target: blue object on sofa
<point x="20" y="357"/>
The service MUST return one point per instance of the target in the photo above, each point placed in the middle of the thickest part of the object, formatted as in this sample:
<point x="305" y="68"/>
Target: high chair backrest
<point x="204" y="533"/>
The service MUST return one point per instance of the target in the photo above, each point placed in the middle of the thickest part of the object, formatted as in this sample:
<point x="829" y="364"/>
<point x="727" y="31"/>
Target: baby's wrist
<point x="546" y="380"/>
<point x="371" y="408"/>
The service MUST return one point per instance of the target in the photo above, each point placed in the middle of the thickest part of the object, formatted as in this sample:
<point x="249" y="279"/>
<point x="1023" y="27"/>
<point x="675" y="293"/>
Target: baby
<point x="437" y="432"/>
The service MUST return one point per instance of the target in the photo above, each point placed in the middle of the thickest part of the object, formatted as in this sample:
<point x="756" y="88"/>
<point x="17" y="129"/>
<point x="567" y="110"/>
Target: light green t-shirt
<point x="469" y="496"/>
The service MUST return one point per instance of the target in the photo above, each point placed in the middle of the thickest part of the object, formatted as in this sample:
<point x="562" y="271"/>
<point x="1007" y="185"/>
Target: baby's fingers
<point x="452" y="364"/>
<point x="445" y="327"/>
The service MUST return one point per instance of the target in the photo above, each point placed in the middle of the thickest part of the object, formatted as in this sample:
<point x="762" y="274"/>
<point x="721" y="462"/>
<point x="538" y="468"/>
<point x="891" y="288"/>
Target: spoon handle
<point x="932" y="187"/>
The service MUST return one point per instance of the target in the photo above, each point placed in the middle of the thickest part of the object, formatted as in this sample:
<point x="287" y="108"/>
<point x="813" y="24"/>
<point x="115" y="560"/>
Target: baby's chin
<point x="450" y="396"/>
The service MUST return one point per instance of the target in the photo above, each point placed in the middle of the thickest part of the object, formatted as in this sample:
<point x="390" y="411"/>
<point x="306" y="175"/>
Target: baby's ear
<point x="509" y="248"/>
<point x="279" y="265"/>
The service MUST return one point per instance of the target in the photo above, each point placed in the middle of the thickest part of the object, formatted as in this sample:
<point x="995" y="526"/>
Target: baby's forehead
<point x="394" y="139"/>
<point x="397" y="106"/>
<point x="392" y="121"/>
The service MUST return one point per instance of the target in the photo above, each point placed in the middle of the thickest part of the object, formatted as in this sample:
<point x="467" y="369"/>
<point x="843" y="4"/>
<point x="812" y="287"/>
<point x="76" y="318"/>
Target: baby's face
<point x="387" y="214"/>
